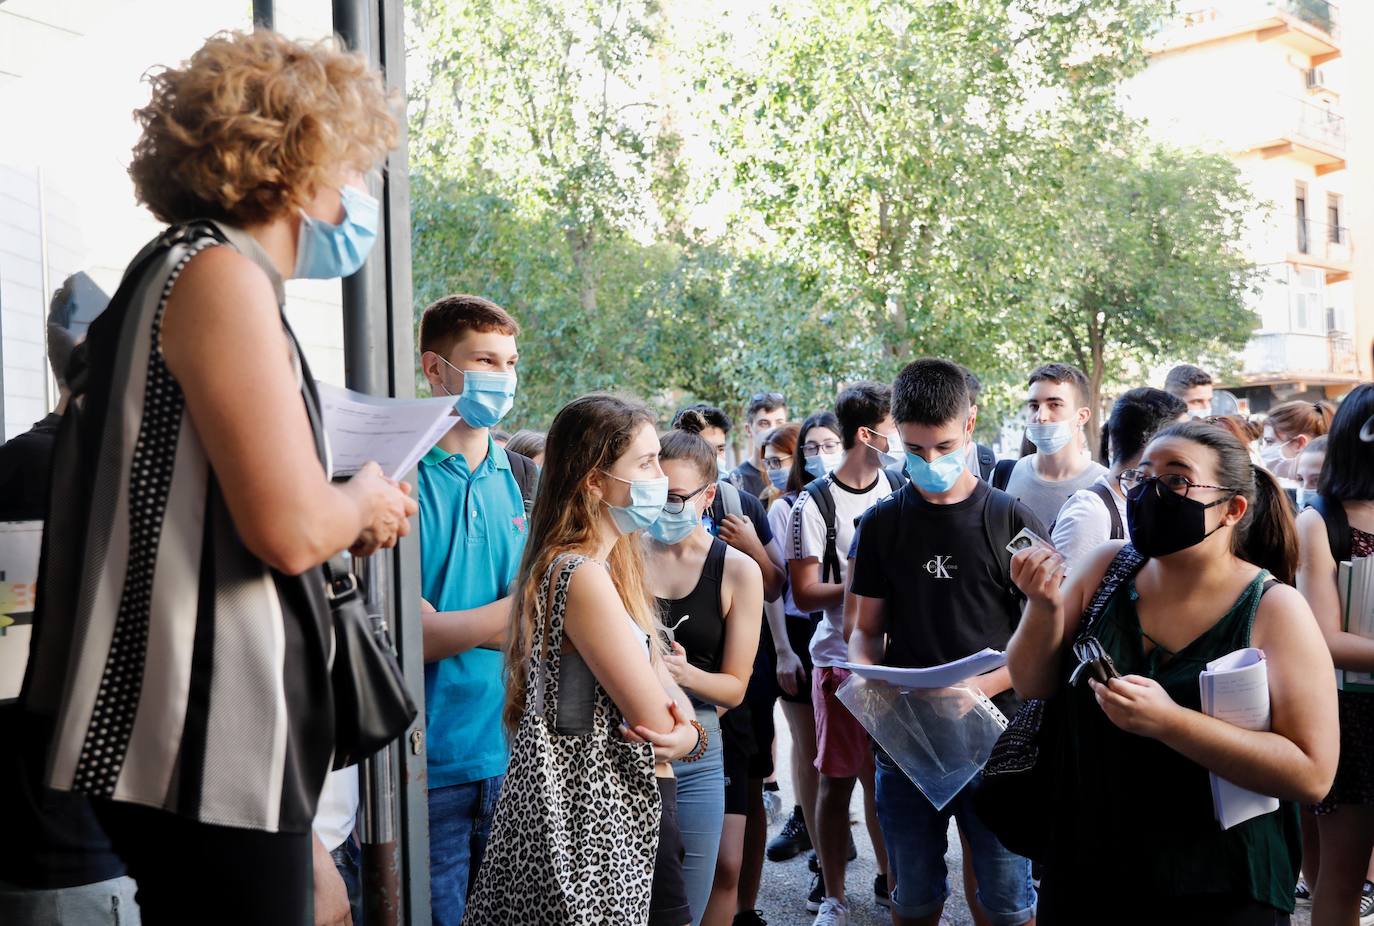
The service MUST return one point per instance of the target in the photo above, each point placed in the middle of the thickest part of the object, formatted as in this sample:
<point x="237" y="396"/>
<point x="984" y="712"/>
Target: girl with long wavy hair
<point x="585" y="823"/>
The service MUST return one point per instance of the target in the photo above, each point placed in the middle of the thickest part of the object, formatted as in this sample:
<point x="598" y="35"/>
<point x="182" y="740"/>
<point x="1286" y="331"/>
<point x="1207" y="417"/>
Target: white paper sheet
<point x="951" y="673"/>
<point x="1235" y="688"/>
<point x="394" y="433"/>
<point x="1355" y="583"/>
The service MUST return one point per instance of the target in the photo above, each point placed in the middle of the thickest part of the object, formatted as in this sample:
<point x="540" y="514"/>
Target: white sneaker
<point x="832" y="913"/>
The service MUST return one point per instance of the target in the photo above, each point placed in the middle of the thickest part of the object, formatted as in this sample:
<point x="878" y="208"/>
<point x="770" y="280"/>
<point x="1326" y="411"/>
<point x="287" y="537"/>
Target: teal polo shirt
<point x="472" y="535"/>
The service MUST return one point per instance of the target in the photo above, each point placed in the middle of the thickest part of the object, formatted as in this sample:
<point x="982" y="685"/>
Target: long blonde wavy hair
<point x="587" y="435"/>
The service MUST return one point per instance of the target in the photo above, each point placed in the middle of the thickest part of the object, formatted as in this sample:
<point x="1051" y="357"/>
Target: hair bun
<point x="691" y="421"/>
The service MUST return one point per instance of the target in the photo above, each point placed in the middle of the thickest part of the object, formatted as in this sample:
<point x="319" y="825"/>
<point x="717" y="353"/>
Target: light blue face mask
<point x="1304" y="498"/>
<point x="779" y="478"/>
<point x="722" y="470"/>
<point x="822" y="463"/>
<point x="1051" y="437"/>
<point x="673" y="528"/>
<point x="938" y="476"/>
<point x="325" y="251"/>
<point x="488" y="396"/>
<point x="647" y="498"/>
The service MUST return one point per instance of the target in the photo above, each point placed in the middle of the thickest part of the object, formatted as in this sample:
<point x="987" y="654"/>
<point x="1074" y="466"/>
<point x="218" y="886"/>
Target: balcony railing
<point x="1308" y="355"/>
<point x="1316" y="123"/>
<point x="1319" y="14"/>
<point x="1325" y="242"/>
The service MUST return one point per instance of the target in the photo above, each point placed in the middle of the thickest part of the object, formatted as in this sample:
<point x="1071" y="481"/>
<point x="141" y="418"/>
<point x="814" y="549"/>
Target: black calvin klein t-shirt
<point x="940" y="578"/>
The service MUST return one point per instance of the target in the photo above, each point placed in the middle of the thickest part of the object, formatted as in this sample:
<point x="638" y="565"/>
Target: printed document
<point x="1355" y="582"/>
<point x="1235" y="688"/>
<point x="394" y="433"/>
<point x="951" y="673"/>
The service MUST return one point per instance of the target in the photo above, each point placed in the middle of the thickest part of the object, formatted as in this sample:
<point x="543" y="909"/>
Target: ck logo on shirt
<point x="939" y="567"/>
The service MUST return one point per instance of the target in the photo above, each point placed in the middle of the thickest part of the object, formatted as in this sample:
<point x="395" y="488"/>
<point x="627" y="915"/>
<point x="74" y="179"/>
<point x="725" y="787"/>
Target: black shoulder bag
<point x="1014" y="797"/>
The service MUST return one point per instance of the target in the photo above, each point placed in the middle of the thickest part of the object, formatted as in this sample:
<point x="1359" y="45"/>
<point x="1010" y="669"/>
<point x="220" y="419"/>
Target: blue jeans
<point x="916" y="837"/>
<point x="700" y="815"/>
<point x="459" y="825"/>
<point x="348" y="864"/>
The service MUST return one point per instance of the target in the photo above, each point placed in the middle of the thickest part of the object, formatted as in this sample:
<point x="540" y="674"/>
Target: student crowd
<point x="611" y="614"/>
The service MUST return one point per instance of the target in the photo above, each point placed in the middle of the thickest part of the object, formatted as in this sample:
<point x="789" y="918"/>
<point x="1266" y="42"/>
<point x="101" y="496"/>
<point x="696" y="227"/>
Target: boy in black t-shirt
<point x="930" y="586"/>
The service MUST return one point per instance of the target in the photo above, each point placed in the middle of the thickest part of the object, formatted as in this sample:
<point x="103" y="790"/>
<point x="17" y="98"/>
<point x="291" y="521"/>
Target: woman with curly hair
<point x="186" y="638"/>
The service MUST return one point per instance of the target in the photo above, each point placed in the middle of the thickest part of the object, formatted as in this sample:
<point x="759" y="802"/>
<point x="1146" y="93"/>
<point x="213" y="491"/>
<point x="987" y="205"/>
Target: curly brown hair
<point x="254" y="124"/>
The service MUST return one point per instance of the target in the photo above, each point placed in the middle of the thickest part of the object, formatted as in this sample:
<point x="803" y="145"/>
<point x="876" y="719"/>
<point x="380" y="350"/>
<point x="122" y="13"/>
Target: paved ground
<point x="785" y="884"/>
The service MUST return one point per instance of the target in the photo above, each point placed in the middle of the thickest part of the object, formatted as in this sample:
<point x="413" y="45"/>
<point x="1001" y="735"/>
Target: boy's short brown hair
<point x="446" y="320"/>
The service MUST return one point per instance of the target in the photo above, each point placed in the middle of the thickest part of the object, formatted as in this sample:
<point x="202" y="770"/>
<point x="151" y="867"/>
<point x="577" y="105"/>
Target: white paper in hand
<point x="394" y="433"/>
<point x="951" y="673"/>
<point x="1235" y="688"/>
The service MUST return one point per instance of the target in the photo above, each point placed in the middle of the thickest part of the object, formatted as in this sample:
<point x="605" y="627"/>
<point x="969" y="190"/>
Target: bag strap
<point x="526" y="475"/>
<point x="728" y="495"/>
<point x="999" y="526"/>
<point x="896" y="477"/>
<point x="1104" y="493"/>
<point x="543" y="668"/>
<point x="1001" y="473"/>
<point x="819" y="490"/>
<point x="1122" y="568"/>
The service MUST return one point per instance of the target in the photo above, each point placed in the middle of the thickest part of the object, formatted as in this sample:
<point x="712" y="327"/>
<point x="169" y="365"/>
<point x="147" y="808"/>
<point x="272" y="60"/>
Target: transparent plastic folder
<point x="940" y="737"/>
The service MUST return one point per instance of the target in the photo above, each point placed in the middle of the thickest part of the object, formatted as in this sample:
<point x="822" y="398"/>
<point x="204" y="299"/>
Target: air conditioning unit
<point x="1315" y="79"/>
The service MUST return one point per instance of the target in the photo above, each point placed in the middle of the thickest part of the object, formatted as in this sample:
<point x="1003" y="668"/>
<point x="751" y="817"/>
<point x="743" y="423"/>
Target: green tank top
<point x="1135" y="815"/>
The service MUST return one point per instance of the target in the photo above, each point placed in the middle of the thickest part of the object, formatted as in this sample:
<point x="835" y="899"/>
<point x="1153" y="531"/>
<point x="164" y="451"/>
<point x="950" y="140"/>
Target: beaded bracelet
<point x="703" y="739"/>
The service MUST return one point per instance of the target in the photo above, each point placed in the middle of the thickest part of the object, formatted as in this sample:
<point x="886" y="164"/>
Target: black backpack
<point x="526" y="475"/>
<point x="1001" y="473"/>
<point x="987" y="461"/>
<point x="819" y="490"/>
<point x="1337" y="525"/>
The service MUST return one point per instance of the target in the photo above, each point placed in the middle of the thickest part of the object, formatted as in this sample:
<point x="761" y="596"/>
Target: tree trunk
<point x="1096" y="373"/>
<point x="580" y="249"/>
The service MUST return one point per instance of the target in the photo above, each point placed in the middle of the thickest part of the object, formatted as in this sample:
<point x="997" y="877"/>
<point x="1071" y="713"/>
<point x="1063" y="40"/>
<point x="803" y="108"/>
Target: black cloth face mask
<point x="1165" y="523"/>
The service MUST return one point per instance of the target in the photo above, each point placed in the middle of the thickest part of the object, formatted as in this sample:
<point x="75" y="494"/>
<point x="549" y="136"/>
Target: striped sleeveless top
<point x="180" y="670"/>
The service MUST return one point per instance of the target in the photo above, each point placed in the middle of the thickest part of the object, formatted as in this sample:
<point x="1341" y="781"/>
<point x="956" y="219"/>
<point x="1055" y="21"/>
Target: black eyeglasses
<point x="677" y="503"/>
<point x="776" y="463"/>
<point x="810" y="448"/>
<point x="1176" y="483"/>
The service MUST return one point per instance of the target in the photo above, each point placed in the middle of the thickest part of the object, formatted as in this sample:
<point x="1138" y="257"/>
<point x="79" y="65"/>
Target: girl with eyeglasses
<point x="710" y="598"/>
<point x="1131" y="800"/>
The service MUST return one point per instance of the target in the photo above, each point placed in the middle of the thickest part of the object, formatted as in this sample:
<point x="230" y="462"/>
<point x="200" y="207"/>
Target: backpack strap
<point x="896" y="477"/>
<point x="987" y="461"/>
<point x="526" y="474"/>
<point x="999" y="526"/>
<point x="819" y="490"/>
<point x="1337" y="525"/>
<point x="1105" y="494"/>
<point x="1001" y="474"/>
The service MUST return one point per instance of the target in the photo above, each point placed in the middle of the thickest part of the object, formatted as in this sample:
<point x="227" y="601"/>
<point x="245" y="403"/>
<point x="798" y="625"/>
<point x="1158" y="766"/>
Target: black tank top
<point x="698" y="621"/>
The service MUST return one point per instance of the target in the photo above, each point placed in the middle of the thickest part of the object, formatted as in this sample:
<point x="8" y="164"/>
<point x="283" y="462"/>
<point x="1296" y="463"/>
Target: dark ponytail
<point x="1267" y="535"/>
<point x="684" y="442"/>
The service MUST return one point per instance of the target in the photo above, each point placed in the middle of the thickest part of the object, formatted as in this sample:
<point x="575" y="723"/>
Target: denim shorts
<point x="915" y="834"/>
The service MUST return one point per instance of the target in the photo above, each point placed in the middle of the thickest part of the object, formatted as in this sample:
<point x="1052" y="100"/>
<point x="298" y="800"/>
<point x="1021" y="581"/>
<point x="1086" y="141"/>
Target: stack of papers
<point x="1235" y="688"/>
<point x="1355" y="581"/>
<point x="951" y="673"/>
<point x="393" y="433"/>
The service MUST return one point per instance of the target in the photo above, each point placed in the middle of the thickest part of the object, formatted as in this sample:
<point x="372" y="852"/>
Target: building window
<point x="1334" y="232"/>
<point x="1300" y="210"/>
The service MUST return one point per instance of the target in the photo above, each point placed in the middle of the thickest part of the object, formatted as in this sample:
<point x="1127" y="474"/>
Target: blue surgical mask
<point x="722" y="470"/>
<point x="822" y="463"/>
<point x="887" y="458"/>
<point x="938" y="476"/>
<point x="487" y="397"/>
<point x="325" y="251"/>
<point x="1051" y="437"/>
<point x="779" y="478"/>
<point x="647" y="498"/>
<point x="1304" y="498"/>
<point x="673" y="528"/>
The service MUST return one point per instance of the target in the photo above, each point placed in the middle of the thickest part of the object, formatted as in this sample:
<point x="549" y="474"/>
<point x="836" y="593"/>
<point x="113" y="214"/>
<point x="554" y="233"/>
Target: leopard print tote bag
<point x="576" y="827"/>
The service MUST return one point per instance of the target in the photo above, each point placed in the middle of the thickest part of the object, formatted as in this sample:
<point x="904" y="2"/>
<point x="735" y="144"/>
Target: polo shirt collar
<point x="495" y="455"/>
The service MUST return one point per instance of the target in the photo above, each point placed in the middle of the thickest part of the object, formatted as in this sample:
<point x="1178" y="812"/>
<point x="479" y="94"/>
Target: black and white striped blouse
<point x="183" y="673"/>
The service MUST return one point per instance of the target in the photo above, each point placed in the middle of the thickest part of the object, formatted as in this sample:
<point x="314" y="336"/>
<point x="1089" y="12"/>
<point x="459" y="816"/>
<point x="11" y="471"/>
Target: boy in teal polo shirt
<point x="472" y="535"/>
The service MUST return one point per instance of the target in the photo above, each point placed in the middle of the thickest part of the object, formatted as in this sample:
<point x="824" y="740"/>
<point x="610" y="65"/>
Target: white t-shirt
<point x="806" y="540"/>
<point x="1084" y="523"/>
<point x="337" y="811"/>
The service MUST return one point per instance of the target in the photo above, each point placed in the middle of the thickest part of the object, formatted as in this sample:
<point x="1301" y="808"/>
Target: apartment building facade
<point x="1264" y="81"/>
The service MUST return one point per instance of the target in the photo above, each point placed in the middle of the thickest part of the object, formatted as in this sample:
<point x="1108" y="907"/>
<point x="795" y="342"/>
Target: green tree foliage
<point x="900" y="176"/>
